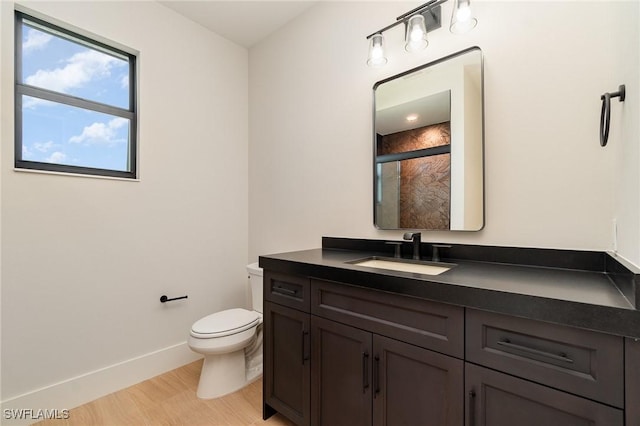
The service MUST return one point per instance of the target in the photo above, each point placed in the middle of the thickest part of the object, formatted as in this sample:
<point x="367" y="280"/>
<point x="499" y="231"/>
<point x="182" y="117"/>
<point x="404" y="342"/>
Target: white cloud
<point x="32" y="103"/>
<point x="43" y="146"/>
<point x="124" y="82"/>
<point x="80" y="69"/>
<point x="56" y="157"/>
<point x="35" y="40"/>
<point x="105" y="133"/>
<point x="26" y="152"/>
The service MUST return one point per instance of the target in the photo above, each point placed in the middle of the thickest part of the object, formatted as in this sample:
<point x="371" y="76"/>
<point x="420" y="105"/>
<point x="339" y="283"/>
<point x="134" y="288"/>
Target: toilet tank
<point x="255" y="282"/>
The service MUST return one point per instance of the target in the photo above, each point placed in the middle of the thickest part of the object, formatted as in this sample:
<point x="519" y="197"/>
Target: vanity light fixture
<point x="417" y="23"/>
<point x="416" y="34"/>
<point x="462" y="19"/>
<point x="377" y="57"/>
<point x="412" y="117"/>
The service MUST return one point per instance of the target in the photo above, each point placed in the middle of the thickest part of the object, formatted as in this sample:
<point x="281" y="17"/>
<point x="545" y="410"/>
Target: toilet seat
<point x="225" y="323"/>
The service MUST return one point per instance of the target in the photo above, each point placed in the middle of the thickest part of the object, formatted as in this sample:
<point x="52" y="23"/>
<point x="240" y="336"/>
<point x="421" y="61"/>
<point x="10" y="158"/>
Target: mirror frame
<point x="482" y="136"/>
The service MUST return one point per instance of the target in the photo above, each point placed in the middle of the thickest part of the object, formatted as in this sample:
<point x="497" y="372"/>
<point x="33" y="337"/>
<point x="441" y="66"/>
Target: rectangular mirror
<point x="428" y="146"/>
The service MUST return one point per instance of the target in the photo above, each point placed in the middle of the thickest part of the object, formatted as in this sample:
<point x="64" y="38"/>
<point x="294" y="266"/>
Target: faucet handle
<point x="397" y="248"/>
<point x="435" y="257"/>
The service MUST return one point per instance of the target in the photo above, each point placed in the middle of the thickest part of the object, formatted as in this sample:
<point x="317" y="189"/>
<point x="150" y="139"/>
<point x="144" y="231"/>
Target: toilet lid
<point x="225" y="323"/>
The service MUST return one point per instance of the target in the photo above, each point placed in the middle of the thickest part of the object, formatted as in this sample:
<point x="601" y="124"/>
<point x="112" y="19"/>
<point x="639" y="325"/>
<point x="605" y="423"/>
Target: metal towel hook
<point x="605" y="112"/>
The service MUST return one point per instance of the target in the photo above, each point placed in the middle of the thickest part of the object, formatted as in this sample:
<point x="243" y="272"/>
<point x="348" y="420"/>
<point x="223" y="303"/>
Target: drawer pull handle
<point x="283" y="290"/>
<point x="561" y="357"/>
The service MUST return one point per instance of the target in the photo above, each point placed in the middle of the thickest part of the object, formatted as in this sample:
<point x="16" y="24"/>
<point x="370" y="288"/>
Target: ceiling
<point x="428" y="110"/>
<point x="245" y="22"/>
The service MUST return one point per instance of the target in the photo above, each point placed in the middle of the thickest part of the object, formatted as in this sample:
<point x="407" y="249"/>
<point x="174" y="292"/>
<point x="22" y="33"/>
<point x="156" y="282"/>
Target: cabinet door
<point x="496" y="399"/>
<point x="415" y="386"/>
<point x="286" y="358"/>
<point x="632" y="368"/>
<point x="341" y="376"/>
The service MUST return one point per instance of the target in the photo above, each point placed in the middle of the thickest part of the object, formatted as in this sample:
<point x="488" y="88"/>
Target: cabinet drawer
<point x="582" y="362"/>
<point x="496" y="399"/>
<point x="435" y="326"/>
<point x="288" y="290"/>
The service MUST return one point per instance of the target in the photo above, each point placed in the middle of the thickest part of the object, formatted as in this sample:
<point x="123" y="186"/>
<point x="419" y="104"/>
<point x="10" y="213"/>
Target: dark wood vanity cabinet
<point x="287" y="370"/>
<point x="361" y="378"/>
<point x="340" y="354"/>
<point x="535" y="373"/>
<point x="374" y="359"/>
<point x="580" y="362"/>
<point x="353" y="373"/>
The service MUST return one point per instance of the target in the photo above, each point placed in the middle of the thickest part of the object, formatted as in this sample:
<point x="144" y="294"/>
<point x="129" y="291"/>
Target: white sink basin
<point x="405" y="265"/>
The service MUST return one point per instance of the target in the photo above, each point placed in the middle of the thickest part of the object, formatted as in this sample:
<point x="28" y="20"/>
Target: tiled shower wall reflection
<point x="423" y="199"/>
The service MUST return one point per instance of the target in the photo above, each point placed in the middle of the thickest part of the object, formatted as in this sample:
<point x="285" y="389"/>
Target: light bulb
<point x="462" y="19"/>
<point x="416" y="35"/>
<point x="376" y="51"/>
<point x="463" y="13"/>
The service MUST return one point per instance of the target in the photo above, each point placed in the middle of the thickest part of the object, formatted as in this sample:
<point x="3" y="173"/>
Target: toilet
<point x="231" y="342"/>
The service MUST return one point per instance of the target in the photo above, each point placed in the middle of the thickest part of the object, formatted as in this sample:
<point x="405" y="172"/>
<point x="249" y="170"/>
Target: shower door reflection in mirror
<point x="428" y="154"/>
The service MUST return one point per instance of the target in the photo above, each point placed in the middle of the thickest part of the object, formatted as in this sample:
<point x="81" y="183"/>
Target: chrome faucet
<point x="415" y="237"/>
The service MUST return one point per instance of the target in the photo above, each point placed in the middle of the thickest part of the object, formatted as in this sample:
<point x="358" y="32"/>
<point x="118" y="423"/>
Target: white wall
<point x="548" y="182"/>
<point x="2" y="113"/>
<point x="85" y="260"/>
<point x="625" y="127"/>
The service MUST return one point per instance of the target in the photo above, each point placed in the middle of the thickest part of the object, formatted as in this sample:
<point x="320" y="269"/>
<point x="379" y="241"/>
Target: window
<point x="75" y="102"/>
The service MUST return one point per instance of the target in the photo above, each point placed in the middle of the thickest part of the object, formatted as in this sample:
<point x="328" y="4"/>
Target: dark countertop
<point x="588" y="299"/>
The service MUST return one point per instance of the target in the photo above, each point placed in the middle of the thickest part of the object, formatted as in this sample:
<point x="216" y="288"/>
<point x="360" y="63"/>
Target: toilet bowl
<point x="231" y="342"/>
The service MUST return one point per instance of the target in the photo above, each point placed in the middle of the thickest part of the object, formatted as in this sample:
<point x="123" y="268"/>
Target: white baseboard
<point x="87" y="387"/>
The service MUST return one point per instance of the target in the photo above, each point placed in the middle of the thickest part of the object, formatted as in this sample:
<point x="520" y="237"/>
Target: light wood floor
<point x="170" y="399"/>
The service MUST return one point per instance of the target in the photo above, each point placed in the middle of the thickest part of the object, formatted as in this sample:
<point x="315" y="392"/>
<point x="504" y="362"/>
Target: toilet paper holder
<point x="164" y="298"/>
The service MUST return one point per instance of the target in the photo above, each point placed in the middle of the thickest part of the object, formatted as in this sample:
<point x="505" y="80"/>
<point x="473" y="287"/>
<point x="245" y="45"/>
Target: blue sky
<point x="57" y="133"/>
